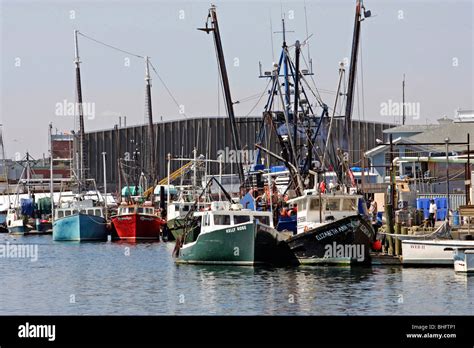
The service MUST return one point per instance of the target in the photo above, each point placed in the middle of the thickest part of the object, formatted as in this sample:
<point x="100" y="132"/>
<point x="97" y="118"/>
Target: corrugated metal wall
<point x="181" y="136"/>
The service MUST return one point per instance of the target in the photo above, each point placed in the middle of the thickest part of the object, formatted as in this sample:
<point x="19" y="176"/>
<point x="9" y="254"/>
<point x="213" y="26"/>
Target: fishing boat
<point x="137" y="222"/>
<point x="227" y="234"/>
<point x="432" y="252"/>
<point x="464" y="260"/>
<point x="16" y="222"/>
<point x="331" y="230"/>
<point x="80" y="220"/>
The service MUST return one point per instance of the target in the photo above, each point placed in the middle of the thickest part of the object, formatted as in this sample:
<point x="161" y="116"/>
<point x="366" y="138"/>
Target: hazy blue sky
<point x="430" y="41"/>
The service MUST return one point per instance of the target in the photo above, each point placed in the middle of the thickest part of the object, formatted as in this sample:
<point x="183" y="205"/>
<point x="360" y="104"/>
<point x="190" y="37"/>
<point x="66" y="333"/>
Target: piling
<point x="404" y="232"/>
<point x="398" y="242"/>
<point x="389" y="224"/>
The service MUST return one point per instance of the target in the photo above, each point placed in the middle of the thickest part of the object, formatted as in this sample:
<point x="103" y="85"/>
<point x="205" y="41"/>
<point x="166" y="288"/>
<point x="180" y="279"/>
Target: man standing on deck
<point x="432" y="216"/>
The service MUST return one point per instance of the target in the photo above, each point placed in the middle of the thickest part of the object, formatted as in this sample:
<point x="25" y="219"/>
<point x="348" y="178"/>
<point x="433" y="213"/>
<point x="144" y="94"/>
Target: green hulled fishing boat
<point x="228" y="234"/>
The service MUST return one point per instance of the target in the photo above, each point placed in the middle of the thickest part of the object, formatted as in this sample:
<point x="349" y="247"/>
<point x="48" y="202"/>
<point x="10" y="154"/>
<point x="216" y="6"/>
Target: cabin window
<point x="140" y="210"/>
<point x="221" y="219"/>
<point x="186" y="208"/>
<point x="83" y="211"/>
<point x="314" y="204"/>
<point x="240" y="219"/>
<point x="263" y="219"/>
<point x="67" y="212"/>
<point x="90" y="212"/>
<point x="98" y="212"/>
<point x="349" y="204"/>
<point x="60" y="214"/>
<point x="205" y="220"/>
<point x="332" y="204"/>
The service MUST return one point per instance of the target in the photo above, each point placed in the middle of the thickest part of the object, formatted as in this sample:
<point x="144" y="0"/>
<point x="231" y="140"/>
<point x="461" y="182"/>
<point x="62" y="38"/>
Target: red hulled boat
<point x="135" y="222"/>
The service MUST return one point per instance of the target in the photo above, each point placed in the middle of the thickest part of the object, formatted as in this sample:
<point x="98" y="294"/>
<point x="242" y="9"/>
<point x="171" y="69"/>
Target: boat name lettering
<point x="417" y="246"/>
<point x="238" y="228"/>
<point x="332" y="232"/>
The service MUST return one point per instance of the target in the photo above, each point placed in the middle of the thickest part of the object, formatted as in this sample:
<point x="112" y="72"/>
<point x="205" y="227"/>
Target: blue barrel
<point x="424" y="205"/>
<point x="441" y="202"/>
<point x="441" y="214"/>
<point x="456" y="218"/>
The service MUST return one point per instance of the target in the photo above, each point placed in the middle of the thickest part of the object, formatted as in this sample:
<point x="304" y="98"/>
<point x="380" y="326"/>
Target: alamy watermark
<point x="66" y="108"/>
<point x="346" y="251"/>
<point x="232" y="156"/>
<point x="392" y="108"/>
<point x="19" y="251"/>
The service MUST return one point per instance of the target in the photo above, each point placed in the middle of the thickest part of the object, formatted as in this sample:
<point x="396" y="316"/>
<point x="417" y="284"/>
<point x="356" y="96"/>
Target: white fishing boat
<point x="463" y="259"/>
<point x="433" y="252"/>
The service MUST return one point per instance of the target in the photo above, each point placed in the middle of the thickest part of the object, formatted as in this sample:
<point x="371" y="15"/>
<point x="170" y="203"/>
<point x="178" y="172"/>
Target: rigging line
<point x="312" y="78"/>
<point x="316" y="95"/>
<point x="110" y="46"/>
<point x="167" y="89"/>
<point x="259" y="99"/>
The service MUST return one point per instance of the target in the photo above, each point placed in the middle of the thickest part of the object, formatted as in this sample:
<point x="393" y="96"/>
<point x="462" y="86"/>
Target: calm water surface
<point x="142" y="279"/>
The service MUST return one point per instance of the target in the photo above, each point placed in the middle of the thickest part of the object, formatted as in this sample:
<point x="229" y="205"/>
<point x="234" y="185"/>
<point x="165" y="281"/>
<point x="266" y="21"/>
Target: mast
<point x="4" y="163"/>
<point x="51" y="178"/>
<point x="77" y="62"/>
<point x="225" y="82"/>
<point x="296" y="98"/>
<point x="351" y="83"/>
<point x="151" y="137"/>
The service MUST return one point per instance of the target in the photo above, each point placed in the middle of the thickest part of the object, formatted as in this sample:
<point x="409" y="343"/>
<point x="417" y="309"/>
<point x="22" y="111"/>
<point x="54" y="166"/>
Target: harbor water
<point x="114" y="278"/>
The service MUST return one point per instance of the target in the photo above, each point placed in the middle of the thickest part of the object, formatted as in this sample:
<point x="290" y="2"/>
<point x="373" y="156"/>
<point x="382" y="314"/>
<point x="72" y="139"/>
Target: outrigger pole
<point x="225" y="82"/>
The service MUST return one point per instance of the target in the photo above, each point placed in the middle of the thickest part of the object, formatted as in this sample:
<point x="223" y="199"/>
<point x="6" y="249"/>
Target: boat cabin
<point x="314" y="209"/>
<point x="63" y="212"/>
<point x="220" y="216"/>
<point x="127" y="210"/>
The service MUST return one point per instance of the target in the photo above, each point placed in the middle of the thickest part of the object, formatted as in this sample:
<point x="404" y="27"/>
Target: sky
<point x="431" y="42"/>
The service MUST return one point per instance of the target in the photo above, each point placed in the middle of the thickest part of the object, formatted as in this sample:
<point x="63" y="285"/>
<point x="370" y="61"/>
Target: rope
<point x="110" y="46"/>
<point x="259" y="99"/>
<point x="166" y="87"/>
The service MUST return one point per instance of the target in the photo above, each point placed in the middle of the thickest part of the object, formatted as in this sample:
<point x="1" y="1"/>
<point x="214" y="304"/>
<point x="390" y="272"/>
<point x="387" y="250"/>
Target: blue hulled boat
<point x="79" y="223"/>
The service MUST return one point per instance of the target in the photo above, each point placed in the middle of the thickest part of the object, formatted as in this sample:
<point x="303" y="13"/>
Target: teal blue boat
<point x="83" y="224"/>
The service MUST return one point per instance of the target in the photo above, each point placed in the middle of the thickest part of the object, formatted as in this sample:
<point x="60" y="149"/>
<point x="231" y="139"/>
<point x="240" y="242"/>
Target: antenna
<point x="403" y="100"/>
<point x="310" y="62"/>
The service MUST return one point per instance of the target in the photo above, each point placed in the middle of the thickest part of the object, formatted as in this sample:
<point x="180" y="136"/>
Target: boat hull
<point x="19" y="229"/>
<point x="80" y="227"/>
<point x="346" y="241"/>
<point x="431" y="252"/>
<point x="137" y="227"/>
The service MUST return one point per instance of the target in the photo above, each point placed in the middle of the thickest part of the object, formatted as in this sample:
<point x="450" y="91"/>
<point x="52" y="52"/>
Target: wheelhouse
<point x="314" y="209"/>
<point x="136" y="210"/>
<point x="64" y="212"/>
